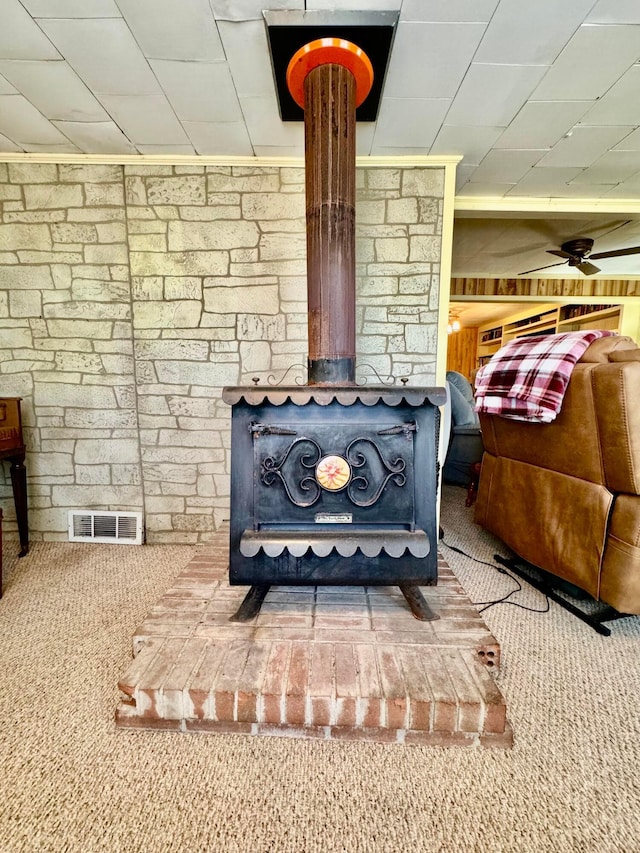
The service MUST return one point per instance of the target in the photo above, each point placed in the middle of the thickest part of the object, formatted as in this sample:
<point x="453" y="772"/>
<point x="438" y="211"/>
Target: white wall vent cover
<point x="124" y="528"/>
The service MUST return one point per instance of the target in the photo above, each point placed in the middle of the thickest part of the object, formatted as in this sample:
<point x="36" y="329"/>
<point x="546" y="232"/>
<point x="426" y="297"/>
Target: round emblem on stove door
<point x="333" y="473"/>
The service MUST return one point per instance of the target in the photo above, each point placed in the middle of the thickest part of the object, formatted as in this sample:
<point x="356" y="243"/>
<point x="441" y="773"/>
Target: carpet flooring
<point x="69" y="781"/>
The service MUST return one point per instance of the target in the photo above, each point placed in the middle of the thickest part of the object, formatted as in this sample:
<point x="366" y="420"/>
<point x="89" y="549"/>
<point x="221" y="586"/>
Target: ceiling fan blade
<point x="587" y="268"/>
<point x="616" y="253"/>
<point x="537" y="269"/>
<point x="560" y="253"/>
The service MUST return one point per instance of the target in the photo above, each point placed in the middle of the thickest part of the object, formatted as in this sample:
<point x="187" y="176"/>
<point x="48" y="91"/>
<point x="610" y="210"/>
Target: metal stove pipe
<point x="329" y="78"/>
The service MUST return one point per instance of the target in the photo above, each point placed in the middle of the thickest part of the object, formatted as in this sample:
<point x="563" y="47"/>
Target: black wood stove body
<point x="333" y="485"/>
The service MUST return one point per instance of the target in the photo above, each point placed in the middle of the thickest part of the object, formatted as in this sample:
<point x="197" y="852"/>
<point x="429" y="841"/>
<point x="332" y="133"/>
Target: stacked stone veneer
<point x="129" y="296"/>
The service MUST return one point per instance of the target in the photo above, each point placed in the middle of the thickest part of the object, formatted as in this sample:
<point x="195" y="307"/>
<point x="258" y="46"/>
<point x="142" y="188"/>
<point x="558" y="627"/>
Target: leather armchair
<point x="565" y="496"/>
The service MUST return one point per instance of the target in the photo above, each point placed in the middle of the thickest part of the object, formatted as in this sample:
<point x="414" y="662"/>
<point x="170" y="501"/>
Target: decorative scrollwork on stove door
<point x="358" y="455"/>
<point x="302" y="491"/>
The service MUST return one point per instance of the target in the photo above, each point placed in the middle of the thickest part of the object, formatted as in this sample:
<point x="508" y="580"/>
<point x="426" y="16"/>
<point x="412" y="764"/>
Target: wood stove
<point x="332" y="483"/>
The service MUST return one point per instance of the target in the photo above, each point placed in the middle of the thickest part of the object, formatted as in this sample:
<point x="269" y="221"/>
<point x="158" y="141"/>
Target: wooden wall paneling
<point x="461" y="351"/>
<point x="543" y="287"/>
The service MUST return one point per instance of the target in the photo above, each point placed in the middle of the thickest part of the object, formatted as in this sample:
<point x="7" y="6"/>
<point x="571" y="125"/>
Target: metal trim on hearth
<point x="346" y="543"/>
<point x="346" y="395"/>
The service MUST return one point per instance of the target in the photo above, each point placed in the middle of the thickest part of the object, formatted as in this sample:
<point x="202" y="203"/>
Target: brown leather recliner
<point x="565" y="496"/>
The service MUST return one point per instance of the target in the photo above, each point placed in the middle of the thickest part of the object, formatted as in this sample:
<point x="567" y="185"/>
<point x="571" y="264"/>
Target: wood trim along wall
<point x="505" y="205"/>
<point x="543" y="287"/>
<point x="399" y="161"/>
<point x="446" y="259"/>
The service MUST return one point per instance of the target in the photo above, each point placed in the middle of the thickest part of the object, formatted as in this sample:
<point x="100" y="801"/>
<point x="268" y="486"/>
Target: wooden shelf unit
<point x="546" y="320"/>
<point x="489" y="342"/>
<point x="596" y="317"/>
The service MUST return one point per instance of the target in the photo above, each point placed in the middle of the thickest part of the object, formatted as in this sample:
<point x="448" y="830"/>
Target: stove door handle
<point x="407" y="429"/>
<point x="266" y="429"/>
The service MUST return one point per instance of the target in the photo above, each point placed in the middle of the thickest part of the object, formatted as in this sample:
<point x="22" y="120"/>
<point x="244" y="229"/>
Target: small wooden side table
<point x="12" y="448"/>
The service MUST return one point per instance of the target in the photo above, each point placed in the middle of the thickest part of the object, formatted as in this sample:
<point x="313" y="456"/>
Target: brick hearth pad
<point x="348" y="663"/>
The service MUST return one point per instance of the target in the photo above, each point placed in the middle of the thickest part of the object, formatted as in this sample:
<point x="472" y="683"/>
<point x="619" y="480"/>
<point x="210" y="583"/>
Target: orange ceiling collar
<point x="327" y="51"/>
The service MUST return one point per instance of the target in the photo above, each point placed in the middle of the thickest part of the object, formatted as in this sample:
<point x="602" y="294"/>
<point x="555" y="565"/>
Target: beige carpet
<point x="70" y="782"/>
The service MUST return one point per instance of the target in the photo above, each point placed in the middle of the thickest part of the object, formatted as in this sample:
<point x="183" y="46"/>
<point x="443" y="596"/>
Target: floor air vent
<point x="123" y="528"/>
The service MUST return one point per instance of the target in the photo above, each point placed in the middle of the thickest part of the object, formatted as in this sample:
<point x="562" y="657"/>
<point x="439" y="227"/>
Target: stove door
<point x="329" y="473"/>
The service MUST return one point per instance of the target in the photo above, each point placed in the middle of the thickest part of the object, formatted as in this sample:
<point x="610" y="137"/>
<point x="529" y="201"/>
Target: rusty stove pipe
<point x="329" y="78"/>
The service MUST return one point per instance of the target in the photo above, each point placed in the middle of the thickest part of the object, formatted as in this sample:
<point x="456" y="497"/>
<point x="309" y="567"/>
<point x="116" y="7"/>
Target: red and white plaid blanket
<point x="526" y="379"/>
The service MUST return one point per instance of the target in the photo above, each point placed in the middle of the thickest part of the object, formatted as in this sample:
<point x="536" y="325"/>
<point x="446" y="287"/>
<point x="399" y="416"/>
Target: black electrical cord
<point x="485" y="605"/>
<point x="475" y="559"/>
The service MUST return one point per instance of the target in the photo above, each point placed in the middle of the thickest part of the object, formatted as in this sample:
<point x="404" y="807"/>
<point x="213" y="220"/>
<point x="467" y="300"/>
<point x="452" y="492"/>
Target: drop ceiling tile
<point x="472" y="142"/>
<point x="541" y="181"/>
<point x="198" y="91"/>
<point x="612" y="168"/>
<point x="463" y="173"/>
<point x="7" y="144"/>
<point x="277" y="151"/>
<point x="574" y="190"/>
<point x="62" y="148"/>
<point x="247" y="51"/>
<point x="530" y="33"/>
<point x="540" y="124"/>
<point x="165" y="29"/>
<point x="264" y="124"/>
<point x="491" y="95"/>
<point x="620" y="104"/>
<point x="395" y="150"/>
<point x="507" y="166"/>
<point x="21" y="37"/>
<point x="584" y="146"/>
<point x="54" y="89"/>
<point x="168" y="150"/>
<point x="626" y="189"/>
<point x="448" y="10"/>
<point x="246" y="10"/>
<point x="431" y="54"/>
<point x="22" y="122"/>
<point x="430" y="60"/>
<point x="90" y="45"/>
<point x="485" y="189"/>
<point x="6" y="88"/>
<point x="96" y="137"/>
<point x="630" y="142"/>
<point x="615" y="12"/>
<point x="365" y="132"/>
<point x="72" y="8"/>
<point x="147" y="119"/>
<point x="219" y="137"/>
<point x="409" y="122"/>
<point x="590" y="63"/>
<point x="355" y="5"/>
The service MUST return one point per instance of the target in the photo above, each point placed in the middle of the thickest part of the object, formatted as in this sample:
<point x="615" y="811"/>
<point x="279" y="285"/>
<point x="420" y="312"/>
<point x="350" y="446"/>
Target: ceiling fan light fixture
<point x="578" y="253"/>
<point x="587" y="268"/>
<point x="454" y="324"/>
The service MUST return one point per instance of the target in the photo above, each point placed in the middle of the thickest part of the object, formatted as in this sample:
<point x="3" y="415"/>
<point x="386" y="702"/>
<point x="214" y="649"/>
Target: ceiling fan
<point x="577" y="253"/>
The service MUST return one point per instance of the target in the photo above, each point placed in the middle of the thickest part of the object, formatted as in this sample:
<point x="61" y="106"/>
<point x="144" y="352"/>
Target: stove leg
<point x="417" y="602"/>
<point x="251" y="604"/>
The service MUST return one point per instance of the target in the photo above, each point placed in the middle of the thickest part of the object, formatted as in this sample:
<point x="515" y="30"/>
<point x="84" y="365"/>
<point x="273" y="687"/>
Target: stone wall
<point x="129" y="296"/>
